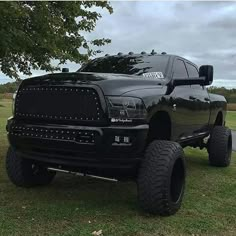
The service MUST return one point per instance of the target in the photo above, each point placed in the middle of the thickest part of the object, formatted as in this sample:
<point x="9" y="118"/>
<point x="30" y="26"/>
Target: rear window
<point x="132" y="65"/>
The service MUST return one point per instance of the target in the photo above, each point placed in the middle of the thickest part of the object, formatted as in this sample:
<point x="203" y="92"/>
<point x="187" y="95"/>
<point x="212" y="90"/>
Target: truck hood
<point x="111" y="84"/>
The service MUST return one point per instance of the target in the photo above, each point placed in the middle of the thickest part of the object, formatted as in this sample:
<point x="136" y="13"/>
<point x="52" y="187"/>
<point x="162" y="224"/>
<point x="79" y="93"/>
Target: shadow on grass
<point x="197" y="162"/>
<point x="196" y="158"/>
<point x="86" y="194"/>
<point x="91" y="194"/>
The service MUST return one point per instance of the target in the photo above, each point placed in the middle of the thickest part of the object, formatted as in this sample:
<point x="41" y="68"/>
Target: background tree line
<point x="10" y="87"/>
<point x="229" y="94"/>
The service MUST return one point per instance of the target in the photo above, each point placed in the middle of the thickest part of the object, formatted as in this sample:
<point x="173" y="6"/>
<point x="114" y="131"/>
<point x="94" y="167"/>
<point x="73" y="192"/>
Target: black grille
<point x="62" y="134"/>
<point x="59" y="103"/>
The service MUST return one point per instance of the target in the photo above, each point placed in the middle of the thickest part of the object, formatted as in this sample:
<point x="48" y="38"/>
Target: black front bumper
<point x="80" y="148"/>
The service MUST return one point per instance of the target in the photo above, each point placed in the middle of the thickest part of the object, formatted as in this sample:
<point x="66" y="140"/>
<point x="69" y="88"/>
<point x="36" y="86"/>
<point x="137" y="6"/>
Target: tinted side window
<point x="192" y="71"/>
<point x="180" y="69"/>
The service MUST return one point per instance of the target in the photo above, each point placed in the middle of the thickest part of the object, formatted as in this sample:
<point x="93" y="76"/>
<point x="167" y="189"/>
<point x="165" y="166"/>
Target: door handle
<point x="192" y="98"/>
<point x="174" y="107"/>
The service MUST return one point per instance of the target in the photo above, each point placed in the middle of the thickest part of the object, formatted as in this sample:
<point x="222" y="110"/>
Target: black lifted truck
<point x="119" y="117"/>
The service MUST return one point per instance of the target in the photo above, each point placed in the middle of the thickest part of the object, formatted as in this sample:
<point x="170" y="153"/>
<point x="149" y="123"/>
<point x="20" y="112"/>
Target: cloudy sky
<point x="203" y="32"/>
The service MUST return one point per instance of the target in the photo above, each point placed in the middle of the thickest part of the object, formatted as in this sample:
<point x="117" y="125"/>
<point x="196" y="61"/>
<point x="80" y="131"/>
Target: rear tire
<point x="26" y="173"/>
<point x="161" y="179"/>
<point x="220" y="146"/>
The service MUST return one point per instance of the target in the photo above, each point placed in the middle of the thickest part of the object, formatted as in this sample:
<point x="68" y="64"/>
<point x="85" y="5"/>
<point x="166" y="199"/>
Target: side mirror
<point x="207" y="72"/>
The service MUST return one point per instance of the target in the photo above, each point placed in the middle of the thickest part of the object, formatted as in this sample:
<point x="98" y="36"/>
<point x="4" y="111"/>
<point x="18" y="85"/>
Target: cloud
<point x="203" y="32"/>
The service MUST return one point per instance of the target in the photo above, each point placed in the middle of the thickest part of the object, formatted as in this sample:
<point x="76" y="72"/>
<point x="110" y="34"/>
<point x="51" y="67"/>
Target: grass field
<point x="78" y="206"/>
<point x="231" y="119"/>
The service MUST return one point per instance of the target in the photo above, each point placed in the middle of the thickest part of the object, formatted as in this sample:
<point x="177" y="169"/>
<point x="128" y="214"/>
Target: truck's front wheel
<point x="161" y="178"/>
<point x="220" y="146"/>
<point x="26" y="173"/>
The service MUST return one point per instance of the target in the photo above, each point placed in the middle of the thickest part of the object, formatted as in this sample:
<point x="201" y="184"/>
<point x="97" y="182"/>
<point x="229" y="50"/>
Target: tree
<point x="32" y="34"/>
<point x="9" y="87"/>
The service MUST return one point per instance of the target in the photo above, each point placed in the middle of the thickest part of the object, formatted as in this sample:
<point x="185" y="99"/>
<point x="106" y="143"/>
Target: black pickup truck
<point x="119" y="117"/>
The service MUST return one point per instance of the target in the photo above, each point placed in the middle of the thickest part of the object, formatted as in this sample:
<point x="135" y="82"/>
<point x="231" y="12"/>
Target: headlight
<point x="13" y="102"/>
<point x="126" y="108"/>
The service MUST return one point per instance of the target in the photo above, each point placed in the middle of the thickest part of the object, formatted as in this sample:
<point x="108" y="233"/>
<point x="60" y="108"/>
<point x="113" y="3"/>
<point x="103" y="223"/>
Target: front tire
<point x="161" y="178"/>
<point x="26" y="173"/>
<point x="220" y="146"/>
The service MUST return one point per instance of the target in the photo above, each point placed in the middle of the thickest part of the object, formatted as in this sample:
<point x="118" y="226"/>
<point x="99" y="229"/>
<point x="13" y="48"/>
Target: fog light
<point x="117" y="139"/>
<point x="122" y="140"/>
<point x="126" y="139"/>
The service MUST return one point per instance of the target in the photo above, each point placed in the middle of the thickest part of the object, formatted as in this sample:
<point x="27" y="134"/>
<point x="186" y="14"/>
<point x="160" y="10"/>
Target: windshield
<point x="132" y="65"/>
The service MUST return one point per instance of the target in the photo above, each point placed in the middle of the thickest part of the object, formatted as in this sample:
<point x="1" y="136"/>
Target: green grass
<point x="78" y="206"/>
<point x="231" y="120"/>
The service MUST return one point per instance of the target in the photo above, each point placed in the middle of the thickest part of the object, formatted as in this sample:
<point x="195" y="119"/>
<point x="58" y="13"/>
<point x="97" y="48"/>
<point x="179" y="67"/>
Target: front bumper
<point x="79" y="148"/>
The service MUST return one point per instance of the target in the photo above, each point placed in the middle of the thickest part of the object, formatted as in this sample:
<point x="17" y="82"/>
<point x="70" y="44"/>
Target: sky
<point x="203" y="32"/>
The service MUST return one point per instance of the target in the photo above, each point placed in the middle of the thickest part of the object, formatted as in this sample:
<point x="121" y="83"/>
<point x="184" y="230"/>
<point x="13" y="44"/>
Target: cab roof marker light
<point x="153" y="52"/>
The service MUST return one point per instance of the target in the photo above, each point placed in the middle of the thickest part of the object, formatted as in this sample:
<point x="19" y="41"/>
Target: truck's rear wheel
<point x="26" y="173"/>
<point x="161" y="179"/>
<point x="220" y="146"/>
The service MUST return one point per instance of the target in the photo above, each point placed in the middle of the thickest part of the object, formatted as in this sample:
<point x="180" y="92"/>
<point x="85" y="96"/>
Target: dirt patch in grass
<point x="231" y="107"/>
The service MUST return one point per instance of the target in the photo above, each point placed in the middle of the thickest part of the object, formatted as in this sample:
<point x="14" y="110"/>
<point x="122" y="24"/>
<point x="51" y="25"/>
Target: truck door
<point x="200" y="101"/>
<point x="183" y="113"/>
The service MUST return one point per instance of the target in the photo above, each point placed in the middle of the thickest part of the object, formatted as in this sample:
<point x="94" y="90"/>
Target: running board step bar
<point x="82" y="174"/>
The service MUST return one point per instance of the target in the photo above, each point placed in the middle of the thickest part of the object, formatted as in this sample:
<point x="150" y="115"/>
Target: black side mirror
<point x="207" y="72"/>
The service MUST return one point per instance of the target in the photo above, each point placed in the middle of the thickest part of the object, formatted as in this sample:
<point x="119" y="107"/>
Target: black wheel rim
<point x="177" y="181"/>
<point x="229" y="148"/>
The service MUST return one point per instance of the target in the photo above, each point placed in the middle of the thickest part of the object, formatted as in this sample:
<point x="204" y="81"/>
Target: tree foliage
<point x="32" y="34"/>
<point x="9" y="87"/>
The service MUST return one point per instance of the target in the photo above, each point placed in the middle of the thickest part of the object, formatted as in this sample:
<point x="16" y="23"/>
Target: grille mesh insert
<point x="59" y="103"/>
<point x="79" y="136"/>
